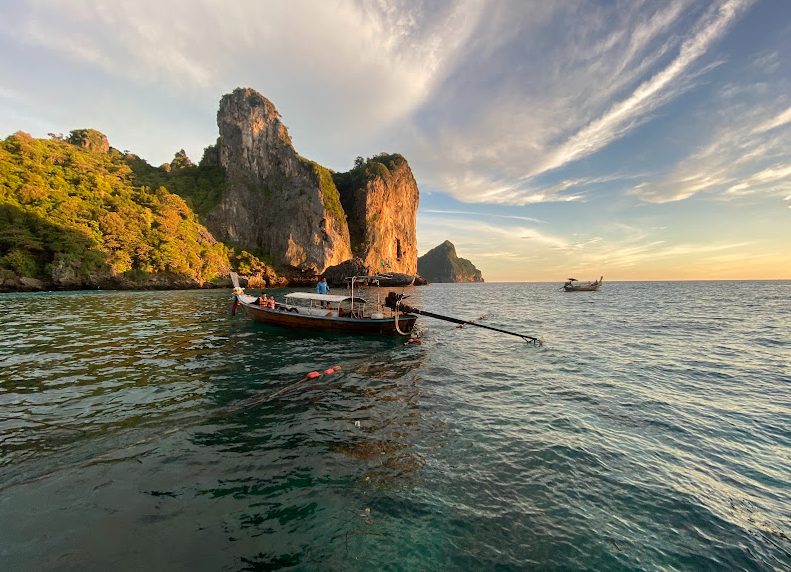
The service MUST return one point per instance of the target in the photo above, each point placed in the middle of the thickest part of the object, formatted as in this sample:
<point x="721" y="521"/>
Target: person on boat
<point x="271" y="303"/>
<point x="322" y="287"/>
<point x="262" y="300"/>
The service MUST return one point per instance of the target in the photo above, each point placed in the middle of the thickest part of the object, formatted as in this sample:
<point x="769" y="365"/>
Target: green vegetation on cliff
<point x="365" y="170"/>
<point x="330" y="196"/>
<point x="76" y="213"/>
<point x="200" y="186"/>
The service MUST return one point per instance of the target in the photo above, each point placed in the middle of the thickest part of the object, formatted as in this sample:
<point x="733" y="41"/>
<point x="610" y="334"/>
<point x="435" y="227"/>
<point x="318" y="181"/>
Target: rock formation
<point x="441" y="264"/>
<point x="276" y="202"/>
<point x="90" y="140"/>
<point x="380" y="197"/>
<point x="298" y="214"/>
<point x="337" y="275"/>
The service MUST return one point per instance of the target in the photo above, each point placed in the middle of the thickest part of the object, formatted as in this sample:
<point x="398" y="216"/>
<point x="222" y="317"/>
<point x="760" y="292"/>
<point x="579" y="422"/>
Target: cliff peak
<point x="90" y="139"/>
<point x="441" y="264"/>
<point x="298" y="213"/>
<point x="277" y="203"/>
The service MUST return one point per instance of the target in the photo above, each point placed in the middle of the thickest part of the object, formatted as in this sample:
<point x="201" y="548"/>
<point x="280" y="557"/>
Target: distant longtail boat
<point x="574" y="285"/>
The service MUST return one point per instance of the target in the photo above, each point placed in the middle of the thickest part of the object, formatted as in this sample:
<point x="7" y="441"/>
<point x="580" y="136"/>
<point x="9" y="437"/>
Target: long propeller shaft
<point x="394" y="302"/>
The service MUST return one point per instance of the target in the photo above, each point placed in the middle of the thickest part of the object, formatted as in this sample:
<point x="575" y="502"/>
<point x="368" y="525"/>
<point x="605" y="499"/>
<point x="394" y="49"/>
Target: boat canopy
<point x="321" y="297"/>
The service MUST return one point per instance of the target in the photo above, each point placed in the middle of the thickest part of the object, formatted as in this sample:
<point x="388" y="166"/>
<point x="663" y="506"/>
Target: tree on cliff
<point x="77" y="212"/>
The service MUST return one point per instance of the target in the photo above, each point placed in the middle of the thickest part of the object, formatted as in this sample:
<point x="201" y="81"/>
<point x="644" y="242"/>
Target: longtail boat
<point x="574" y="285"/>
<point x="346" y="314"/>
<point x="326" y="312"/>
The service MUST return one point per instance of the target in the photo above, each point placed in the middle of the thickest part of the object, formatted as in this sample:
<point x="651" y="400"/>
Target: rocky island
<point x="442" y="264"/>
<point x="78" y="213"/>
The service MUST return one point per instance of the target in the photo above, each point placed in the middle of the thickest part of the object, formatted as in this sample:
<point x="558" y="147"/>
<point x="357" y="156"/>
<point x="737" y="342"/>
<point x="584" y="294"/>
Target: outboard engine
<point x="392" y="299"/>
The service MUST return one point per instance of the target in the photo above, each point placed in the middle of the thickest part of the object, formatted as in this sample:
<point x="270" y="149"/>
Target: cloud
<point x="658" y="90"/>
<point x="482" y="214"/>
<point x="491" y="102"/>
<point x="747" y="154"/>
<point x="478" y="233"/>
<point x="351" y="68"/>
<point x="781" y="119"/>
<point x="479" y="188"/>
<point x="523" y="105"/>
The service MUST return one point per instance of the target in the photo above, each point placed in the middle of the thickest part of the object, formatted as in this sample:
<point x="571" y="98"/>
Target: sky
<point x="639" y="140"/>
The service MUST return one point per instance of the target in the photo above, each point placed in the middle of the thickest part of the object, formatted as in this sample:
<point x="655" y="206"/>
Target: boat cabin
<point x="326" y="305"/>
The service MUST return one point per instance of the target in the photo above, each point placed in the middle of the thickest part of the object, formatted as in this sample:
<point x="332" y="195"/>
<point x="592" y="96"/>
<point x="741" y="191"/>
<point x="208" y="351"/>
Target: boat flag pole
<point x="394" y="302"/>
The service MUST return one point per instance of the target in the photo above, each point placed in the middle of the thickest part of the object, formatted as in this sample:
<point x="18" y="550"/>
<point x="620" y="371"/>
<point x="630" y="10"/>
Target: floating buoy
<point x="337" y="368"/>
<point x="329" y="371"/>
<point x="313" y="375"/>
<point x="413" y="341"/>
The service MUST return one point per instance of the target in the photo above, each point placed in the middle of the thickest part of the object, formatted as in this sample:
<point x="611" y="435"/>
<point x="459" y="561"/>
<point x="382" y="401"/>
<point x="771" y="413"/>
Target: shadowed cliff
<point x="441" y="264"/>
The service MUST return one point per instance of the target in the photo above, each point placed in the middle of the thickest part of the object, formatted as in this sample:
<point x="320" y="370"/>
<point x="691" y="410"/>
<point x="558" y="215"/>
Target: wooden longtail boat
<point x="574" y="285"/>
<point x="347" y="314"/>
<point x="326" y="312"/>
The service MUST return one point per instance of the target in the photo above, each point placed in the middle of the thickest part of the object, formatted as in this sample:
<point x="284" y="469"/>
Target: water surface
<point x="142" y="430"/>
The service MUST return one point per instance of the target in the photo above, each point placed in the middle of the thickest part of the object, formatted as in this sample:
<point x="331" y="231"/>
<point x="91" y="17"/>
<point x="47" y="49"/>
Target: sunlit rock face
<point x="277" y="203"/>
<point x="380" y="197"/>
<point x="441" y="264"/>
<point x="299" y="214"/>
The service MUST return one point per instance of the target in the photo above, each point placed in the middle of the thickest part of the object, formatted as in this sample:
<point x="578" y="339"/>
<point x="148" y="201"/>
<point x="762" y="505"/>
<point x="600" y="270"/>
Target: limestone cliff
<point x="276" y="202"/>
<point x="441" y="264"/>
<point x="380" y="197"/>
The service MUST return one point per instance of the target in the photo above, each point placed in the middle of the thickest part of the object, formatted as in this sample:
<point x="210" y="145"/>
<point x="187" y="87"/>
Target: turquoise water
<point x="142" y="430"/>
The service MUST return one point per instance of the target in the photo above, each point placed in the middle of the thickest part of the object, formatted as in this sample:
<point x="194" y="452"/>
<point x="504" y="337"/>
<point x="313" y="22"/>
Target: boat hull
<point x="293" y="320"/>
<point x="581" y="288"/>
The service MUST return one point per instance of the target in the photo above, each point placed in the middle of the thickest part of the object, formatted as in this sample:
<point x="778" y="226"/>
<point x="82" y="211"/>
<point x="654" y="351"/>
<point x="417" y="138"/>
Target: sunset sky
<point x="635" y="140"/>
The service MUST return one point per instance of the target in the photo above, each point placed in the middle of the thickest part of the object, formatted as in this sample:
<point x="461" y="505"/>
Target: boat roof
<point x="321" y="297"/>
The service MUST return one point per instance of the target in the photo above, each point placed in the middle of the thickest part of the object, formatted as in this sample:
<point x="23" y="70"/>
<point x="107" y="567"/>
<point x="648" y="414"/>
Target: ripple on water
<point x="651" y="431"/>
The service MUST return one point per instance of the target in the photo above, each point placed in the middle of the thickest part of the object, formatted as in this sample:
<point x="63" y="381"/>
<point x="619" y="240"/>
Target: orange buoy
<point x="329" y="371"/>
<point x="313" y="375"/>
<point x="337" y="368"/>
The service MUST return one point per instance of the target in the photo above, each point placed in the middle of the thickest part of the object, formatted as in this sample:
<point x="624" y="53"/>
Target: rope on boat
<point x="396" y="320"/>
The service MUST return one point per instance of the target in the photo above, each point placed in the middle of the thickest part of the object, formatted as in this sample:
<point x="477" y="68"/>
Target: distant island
<point x="77" y="213"/>
<point x="441" y="264"/>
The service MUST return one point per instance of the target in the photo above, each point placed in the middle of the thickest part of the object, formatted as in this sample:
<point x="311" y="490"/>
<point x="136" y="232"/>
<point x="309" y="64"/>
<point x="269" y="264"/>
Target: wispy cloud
<point x="475" y="188"/>
<point x="618" y="67"/>
<point x="330" y="67"/>
<point x="482" y="214"/>
<point x="444" y="225"/>
<point x="781" y="119"/>
<point x="625" y="115"/>
<point x="749" y="153"/>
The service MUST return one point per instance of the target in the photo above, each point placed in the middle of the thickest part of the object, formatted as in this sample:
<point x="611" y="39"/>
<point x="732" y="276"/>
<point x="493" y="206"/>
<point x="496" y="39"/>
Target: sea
<point x="155" y="431"/>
